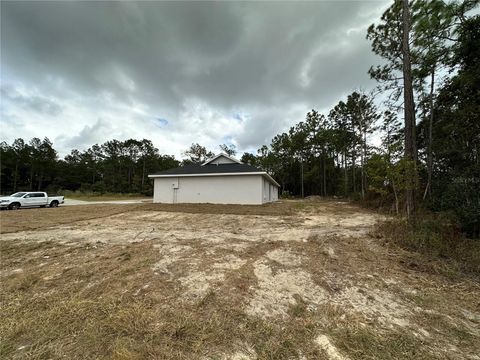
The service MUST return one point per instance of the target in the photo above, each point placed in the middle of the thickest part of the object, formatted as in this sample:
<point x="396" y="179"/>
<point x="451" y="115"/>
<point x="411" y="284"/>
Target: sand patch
<point x="330" y="350"/>
<point x="276" y="291"/>
<point x="197" y="284"/>
<point x="230" y="262"/>
<point x="375" y="304"/>
<point x="353" y="225"/>
<point x="284" y="257"/>
<point x="171" y="253"/>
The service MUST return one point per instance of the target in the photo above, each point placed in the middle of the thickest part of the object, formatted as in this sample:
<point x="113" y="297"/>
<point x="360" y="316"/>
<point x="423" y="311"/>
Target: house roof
<point x="213" y="170"/>
<point x="209" y="169"/>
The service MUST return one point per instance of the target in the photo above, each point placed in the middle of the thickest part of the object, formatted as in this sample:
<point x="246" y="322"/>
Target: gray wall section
<point x="222" y="160"/>
<point x="269" y="191"/>
<point x="231" y="189"/>
<point x="275" y="192"/>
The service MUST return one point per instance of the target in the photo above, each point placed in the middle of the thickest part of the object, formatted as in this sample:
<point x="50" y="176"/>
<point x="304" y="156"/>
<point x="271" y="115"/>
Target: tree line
<point x="425" y="115"/>
<point x="426" y="110"/>
<point x="114" y="166"/>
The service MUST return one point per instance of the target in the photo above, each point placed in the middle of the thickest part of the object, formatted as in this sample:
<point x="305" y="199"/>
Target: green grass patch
<point x="94" y="196"/>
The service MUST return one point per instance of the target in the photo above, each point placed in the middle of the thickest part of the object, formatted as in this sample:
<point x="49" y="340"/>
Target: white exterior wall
<point x="230" y="189"/>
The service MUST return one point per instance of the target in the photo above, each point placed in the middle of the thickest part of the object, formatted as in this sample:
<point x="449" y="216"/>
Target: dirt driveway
<point x="293" y="280"/>
<point x="73" y="202"/>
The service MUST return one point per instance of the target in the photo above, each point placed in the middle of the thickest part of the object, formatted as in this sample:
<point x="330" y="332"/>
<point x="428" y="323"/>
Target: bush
<point x="286" y="195"/>
<point x="92" y="195"/>
<point x="53" y="189"/>
<point x="99" y="187"/>
<point x="436" y="236"/>
<point x="461" y="198"/>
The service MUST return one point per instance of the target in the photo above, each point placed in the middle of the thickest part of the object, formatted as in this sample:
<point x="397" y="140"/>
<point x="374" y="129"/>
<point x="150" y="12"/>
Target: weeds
<point x="299" y="308"/>
<point x="435" y="237"/>
<point x="74" y="296"/>
<point x="98" y="196"/>
<point x="374" y="345"/>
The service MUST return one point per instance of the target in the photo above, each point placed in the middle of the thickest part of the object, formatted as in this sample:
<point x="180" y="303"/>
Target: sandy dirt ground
<point x="72" y="202"/>
<point x="321" y="264"/>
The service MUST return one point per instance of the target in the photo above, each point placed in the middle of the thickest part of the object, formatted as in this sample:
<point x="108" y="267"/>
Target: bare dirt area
<point x="290" y="280"/>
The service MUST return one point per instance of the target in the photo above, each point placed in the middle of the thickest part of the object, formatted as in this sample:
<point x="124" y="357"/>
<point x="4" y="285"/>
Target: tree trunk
<point x="345" y="173"/>
<point x="354" y="180"/>
<point x="362" y="156"/>
<point x="94" y="169"/>
<point x="15" y="177"/>
<point x="40" y="181"/>
<point x="409" y="113"/>
<point x="301" y="166"/>
<point x="362" y="175"/>
<point x="396" y="196"/>
<point x="143" y="173"/>
<point x="324" y="177"/>
<point x="31" y="178"/>
<point x="428" y="188"/>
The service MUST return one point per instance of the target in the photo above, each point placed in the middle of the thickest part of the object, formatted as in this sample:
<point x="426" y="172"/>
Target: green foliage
<point x="456" y="134"/>
<point x="386" y="42"/>
<point x="230" y="150"/>
<point x="196" y="154"/>
<point x="444" y="35"/>
<point x="436" y="235"/>
<point x="115" y="166"/>
<point x="461" y="198"/>
<point x="377" y="169"/>
<point x="322" y="151"/>
<point x="27" y="166"/>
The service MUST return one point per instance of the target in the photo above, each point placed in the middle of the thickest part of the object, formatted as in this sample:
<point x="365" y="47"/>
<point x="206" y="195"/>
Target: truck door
<point x="40" y="199"/>
<point x="35" y="199"/>
<point x="29" y="200"/>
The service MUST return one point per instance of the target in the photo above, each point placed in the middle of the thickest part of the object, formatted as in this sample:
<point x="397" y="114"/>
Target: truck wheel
<point x="54" y="203"/>
<point x="14" y="206"/>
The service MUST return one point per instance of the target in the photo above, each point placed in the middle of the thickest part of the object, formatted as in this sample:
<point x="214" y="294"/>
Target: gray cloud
<point x="35" y="103"/>
<point x="196" y="65"/>
<point x="99" y="132"/>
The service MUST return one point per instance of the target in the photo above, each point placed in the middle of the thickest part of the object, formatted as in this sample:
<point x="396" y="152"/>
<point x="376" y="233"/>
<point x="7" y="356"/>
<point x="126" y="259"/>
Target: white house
<point x="220" y="180"/>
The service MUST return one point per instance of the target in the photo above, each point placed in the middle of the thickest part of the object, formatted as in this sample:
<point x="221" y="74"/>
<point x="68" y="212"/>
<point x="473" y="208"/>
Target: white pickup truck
<point x="30" y="199"/>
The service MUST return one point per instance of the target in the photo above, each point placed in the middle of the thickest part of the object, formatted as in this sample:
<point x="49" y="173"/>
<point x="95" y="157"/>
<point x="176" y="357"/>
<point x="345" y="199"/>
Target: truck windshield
<point x="19" y="194"/>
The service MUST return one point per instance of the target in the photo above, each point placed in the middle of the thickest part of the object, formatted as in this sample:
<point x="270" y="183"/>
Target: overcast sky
<point x="82" y="73"/>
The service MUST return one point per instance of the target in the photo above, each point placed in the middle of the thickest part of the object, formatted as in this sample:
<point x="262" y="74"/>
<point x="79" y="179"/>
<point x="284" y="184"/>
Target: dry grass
<point x="148" y="281"/>
<point x="273" y="209"/>
<point x="443" y="248"/>
<point x="95" y="196"/>
<point x="37" y="218"/>
<point x="100" y="307"/>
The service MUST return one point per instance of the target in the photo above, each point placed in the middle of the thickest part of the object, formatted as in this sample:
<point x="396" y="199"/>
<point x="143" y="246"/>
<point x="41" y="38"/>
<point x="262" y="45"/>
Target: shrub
<point x="436" y="236"/>
<point x="461" y="198"/>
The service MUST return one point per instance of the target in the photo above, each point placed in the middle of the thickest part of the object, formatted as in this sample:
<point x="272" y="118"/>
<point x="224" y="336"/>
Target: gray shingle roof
<point x="210" y="169"/>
